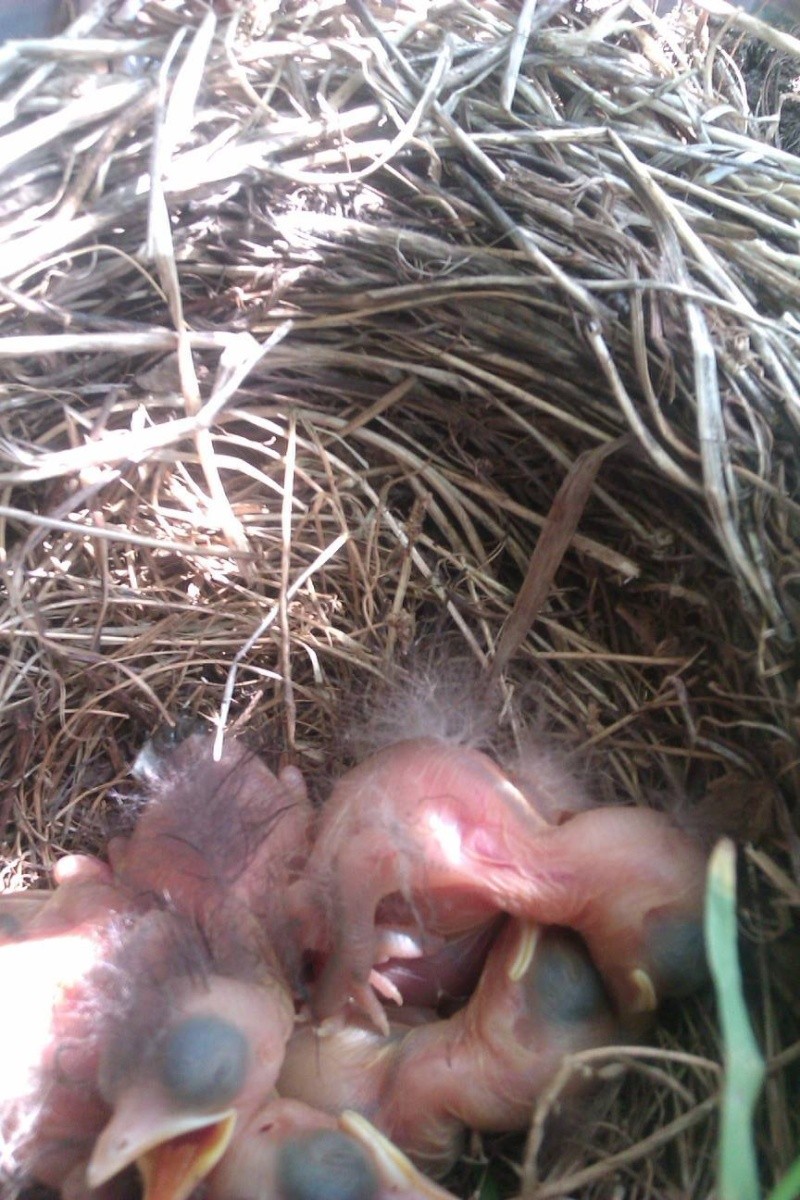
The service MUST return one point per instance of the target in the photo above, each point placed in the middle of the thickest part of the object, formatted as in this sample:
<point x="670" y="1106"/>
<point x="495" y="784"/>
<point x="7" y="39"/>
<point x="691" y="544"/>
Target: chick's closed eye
<point x="203" y="1061"/>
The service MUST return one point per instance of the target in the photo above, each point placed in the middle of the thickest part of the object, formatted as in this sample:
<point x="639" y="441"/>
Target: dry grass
<point x="307" y="311"/>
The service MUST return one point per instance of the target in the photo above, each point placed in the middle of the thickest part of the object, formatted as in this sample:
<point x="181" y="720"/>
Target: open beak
<point x="399" y="1178"/>
<point x="173" y="1169"/>
<point x="173" y="1151"/>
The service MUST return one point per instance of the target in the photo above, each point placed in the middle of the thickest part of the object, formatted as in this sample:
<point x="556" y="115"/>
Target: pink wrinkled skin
<point x="437" y="835"/>
<point x="459" y="934"/>
<point x="426" y="1081"/>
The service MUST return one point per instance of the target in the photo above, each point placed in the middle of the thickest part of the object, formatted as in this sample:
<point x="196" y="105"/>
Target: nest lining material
<point x="308" y="312"/>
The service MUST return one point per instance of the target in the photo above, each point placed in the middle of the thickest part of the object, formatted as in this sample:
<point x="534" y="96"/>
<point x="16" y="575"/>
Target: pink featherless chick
<point x="294" y="1151"/>
<point x="216" y="833"/>
<point x="433" y="839"/>
<point x="539" y="1000"/>
<point x="217" y="844"/>
<point x="192" y="1055"/>
<point x="53" y="951"/>
<point x="165" y="1007"/>
<point x="142" y="1043"/>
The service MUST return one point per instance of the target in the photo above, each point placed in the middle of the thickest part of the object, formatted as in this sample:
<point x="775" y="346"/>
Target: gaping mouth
<point x="172" y="1158"/>
<point x="396" y="1172"/>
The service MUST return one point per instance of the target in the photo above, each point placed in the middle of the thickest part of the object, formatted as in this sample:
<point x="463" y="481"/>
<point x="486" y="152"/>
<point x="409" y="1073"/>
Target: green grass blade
<point x="788" y="1188"/>
<point x="489" y="1189"/>
<point x="744" y="1066"/>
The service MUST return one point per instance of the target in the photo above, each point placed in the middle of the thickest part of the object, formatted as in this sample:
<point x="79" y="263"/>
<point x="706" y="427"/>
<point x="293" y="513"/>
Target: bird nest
<point x="342" y="344"/>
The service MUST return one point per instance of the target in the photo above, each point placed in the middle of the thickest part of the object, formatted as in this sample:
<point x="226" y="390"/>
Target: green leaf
<point x="489" y="1189"/>
<point x="743" y="1064"/>
<point x="788" y="1188"/>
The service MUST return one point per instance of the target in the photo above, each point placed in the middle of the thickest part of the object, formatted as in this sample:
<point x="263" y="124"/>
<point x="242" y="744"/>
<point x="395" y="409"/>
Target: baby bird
<point x="216" y="836"/>
<point x="165" y="1004"/>
<point x="52" y="962"/>
<point x="133" y="1047"/>
<point x="192" y="1059"/>
<point x="539" y="1000"/>
<point x="292" y="1151"/>
<point x="218" y="843"/>
<point x="436" y="839"/>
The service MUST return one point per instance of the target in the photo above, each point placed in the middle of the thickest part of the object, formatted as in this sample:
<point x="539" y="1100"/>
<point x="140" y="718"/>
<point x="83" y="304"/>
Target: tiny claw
<point x="526" y="948"/>
<point x="331" y="1018"/>
<point x="384" y="987"/>
<point x="364" y="997"/>
<point x="644" y="993"/>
